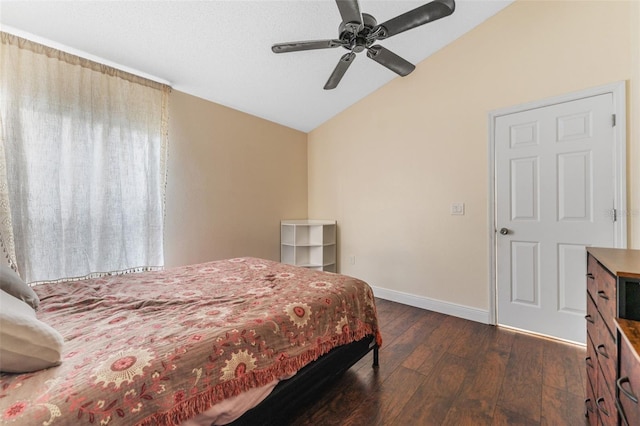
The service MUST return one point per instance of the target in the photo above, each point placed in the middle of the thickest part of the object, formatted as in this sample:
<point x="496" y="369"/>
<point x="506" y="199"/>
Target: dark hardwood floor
<point x="437" y="369"/>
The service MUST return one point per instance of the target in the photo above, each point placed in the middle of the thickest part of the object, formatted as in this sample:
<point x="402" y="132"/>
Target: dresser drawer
<point x="607" y="354"/>
<point x="628" y="385"/>
<point x="605" y="403"/>
<point x="592" y="266"/>
<point x="594" y="322"/>
<point x="591" y="361"/>
<point x="606" y="297"/>
<point x="591" y="411"/>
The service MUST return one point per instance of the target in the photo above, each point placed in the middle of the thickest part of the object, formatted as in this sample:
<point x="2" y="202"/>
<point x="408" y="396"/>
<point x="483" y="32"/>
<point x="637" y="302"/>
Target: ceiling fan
<point x="359" y="31"/>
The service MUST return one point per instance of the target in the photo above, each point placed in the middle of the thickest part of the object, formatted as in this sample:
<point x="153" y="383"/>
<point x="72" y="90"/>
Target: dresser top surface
<point x="630" y="331"/>
<point x="621" y="262"/>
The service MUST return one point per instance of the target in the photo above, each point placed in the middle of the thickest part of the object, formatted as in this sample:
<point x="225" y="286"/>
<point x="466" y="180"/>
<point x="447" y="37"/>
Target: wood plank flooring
<point x="437" y="369"/>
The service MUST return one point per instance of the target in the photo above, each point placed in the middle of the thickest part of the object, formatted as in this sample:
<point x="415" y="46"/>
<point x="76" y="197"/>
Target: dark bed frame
<point x="303" y="388"/>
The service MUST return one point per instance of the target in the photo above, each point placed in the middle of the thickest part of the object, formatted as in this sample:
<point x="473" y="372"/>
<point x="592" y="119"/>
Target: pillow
<point x="26" y="343"/>
<point x="13" y="284"/>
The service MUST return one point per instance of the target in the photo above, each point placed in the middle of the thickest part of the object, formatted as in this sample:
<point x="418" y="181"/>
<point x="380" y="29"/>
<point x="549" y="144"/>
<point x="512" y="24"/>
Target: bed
<point x="169" y="347"/>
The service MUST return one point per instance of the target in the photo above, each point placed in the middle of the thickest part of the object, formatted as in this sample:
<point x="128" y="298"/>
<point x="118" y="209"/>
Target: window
<point x="83" y="158"/>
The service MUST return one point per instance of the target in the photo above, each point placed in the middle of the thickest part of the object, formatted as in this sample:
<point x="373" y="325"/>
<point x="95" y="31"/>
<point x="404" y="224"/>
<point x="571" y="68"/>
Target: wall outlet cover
<point x="457" y="208"/>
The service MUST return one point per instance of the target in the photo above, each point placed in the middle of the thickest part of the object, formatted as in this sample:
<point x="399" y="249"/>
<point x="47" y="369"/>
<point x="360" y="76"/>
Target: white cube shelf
<point x="309" y="243"/>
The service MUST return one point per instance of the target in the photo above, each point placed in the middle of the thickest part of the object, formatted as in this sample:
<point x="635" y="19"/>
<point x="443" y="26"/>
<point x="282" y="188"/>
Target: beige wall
<point x="232" y="178"/>
<point x="633" y="158"/>
<point x="389" y="167"/>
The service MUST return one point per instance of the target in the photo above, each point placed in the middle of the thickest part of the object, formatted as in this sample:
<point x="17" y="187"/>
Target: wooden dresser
<point x="628" y="382"/>
<point x="613" y="290"/>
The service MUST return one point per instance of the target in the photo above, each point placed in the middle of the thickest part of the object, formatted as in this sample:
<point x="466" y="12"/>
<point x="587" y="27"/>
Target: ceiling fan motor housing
<point x="358" y="37"/>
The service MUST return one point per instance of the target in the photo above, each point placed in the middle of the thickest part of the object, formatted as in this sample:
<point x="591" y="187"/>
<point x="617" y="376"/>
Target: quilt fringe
<point x="203" y="401"/>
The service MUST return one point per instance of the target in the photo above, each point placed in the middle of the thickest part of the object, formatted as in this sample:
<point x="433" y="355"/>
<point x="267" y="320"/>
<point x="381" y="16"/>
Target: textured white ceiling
<point x="221" y="50"/>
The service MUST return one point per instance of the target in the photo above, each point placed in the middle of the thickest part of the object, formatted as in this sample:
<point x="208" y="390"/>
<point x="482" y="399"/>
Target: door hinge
<point x="613" y="120"/>
<point x="615" y="215"/>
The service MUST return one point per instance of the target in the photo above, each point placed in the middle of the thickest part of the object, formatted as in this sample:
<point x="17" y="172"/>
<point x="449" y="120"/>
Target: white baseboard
<point x="466" y="312"/>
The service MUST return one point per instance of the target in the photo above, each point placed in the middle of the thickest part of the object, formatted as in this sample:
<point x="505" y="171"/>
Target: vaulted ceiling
<point x="221" y="50"/>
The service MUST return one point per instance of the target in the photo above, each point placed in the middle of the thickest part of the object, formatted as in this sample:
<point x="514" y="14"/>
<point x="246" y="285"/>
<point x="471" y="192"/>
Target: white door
<point x="555" y="191"/>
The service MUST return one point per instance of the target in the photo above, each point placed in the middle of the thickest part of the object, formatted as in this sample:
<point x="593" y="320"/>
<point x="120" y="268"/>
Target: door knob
<point x="504" y="231"/>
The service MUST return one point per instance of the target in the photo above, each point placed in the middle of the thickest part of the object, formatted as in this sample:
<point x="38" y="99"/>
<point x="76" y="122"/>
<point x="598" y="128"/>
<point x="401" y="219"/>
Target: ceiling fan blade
<point x="296" y="46"/>
<point x="339" y="70"/>
<point x="419" y="16"/>
<point x="350" y="12"/>
<point x="390" y="60"/>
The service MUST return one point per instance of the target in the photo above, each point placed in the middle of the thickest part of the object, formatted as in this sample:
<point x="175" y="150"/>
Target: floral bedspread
<point x="159" y="347"/>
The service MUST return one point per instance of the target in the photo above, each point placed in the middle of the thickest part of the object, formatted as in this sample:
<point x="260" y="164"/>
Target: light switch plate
<point x="457" y="208"/>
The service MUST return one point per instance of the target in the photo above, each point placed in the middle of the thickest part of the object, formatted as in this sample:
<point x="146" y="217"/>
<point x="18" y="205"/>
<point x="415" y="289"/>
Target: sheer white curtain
<point x="82" y="165"/>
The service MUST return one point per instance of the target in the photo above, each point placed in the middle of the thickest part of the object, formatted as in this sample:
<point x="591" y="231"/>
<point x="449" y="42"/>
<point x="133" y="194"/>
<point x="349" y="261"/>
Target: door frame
<point x="618" y="90"/>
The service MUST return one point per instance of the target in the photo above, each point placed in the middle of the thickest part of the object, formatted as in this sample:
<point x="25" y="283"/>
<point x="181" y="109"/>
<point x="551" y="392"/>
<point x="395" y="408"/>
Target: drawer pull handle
<point x="627" y="393"/>
<point x="600" y="407"/>
<point x="621" y="412"/>
<point x="589" y="405"/>
<point x="589" y="319"/>
<point x="589" y="361"/>
<point x="590" y="276"/>
<point x="603" y="295"/>
<point x="602" y="350"/>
